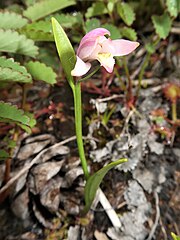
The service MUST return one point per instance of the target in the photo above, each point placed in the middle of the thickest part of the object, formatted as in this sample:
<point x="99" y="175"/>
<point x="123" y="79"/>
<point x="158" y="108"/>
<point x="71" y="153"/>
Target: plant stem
<point x="122" y="85"/>
<point x="174" y="111"/>
<point x="24" y="95"/>
<point x="91" y="74"/>
<point x="144" y="65"/>
<point x="78" y="126"/>
<point x="129" y="88"/>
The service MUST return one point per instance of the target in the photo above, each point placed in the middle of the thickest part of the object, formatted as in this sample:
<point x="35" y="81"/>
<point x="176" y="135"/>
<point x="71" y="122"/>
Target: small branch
<point x="100" y="197"/>
<point x="151" y="234"/>
<point x="163" y="229"/>
<point x="100" y="100"/>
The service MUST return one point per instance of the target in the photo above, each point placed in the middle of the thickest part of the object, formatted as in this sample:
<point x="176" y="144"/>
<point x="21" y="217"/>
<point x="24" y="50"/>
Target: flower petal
<point x="93" y="34"/>
<point x="91" y="38"/>
<point x="80" y="68"/>
<point x="87" y="49"/>
<point x="123" y="47"/>
<point x="107" y="61"/>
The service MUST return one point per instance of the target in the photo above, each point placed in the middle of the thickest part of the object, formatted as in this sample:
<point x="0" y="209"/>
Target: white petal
<point x="107" y="61"/>
<point x="80" y="68"/>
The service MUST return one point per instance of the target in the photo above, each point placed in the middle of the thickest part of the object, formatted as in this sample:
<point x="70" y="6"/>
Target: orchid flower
<point x="95" y="46"/>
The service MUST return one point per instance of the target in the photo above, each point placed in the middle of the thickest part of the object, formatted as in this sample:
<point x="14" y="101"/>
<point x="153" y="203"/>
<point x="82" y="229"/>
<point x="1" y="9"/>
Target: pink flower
<point x="95" y="46"/>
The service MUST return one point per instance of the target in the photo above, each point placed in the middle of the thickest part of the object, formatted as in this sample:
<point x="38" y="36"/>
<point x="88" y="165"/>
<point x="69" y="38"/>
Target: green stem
<point x="144" y="65"/>
<point x="91" y="74"/>
<point x="174" y="111"/>
<point x="143" y="68"/>
<point x="122" y="85"/>
<point x="129" y="88"/>
<point x="78" y="126"/>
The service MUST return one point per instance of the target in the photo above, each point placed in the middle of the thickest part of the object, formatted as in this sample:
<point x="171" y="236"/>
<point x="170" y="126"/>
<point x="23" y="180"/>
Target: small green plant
<point x="79" y="65"/>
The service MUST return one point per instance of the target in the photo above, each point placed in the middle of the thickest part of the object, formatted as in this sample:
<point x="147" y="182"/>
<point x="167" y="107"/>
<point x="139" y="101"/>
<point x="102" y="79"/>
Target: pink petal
<point x="107" y="46"/>
<point x="93" y="34"/>
<point x="86" y="49"/>
<point x="90" y="48"/>
<point x="80" y="68"/>
<point x="123" y="47"/>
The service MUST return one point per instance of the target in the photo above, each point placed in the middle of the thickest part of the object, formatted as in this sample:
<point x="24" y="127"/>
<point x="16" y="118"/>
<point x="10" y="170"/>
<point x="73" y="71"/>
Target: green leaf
<point x="126" y="12"/>
<point x="66" y="20"/>
<point x="12" y="41"/>
<point x="44" y="26"/>
<point x="115" y="33"/>
<point x="9" y="63"/>
<point x="38" y="31"/>
<point x="32" y="123"/>
<point x="46" y="55"/>
<point x="172" y="6"/>
<point x="97" y="8"/>
<point x="11" y="71"/>
<point x="129" y="33"/>
<point x="9" y="75"/>
<point x="150" y="48"/>
<point x="10" y="113"/>
<point x="46" y="7"/>
<point x="174" y="236"/>
<point x="94" y="182"/>
<point x="38" y="35"/>
<point x="65" y="50"/>
<point x="11" y="20"/>
<point x="42" y="30"/>
<point x="29" y="2"/>
<point x="39" y="71"/>
<point x="91" y="24"/>
<point x="110" y="5"/>
<point x="162" y="25"/>
<point x="3" y="155"/>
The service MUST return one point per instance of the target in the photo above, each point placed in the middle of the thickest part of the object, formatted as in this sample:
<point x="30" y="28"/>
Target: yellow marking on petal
<point x="106" y="60"/>
<point x="104" y="57"/>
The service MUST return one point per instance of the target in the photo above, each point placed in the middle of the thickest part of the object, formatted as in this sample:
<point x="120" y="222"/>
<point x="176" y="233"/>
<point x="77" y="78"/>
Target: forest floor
<point x="45" y="195"/>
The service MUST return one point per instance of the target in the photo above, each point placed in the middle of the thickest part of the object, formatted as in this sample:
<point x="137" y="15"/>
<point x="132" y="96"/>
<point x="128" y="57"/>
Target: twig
<point x="157" y="217"/>
<point x="175" y="30"/>
<point x="127" y="121"/>
<point x="99" y="100"/>
<point x="163" y="229"/>
<point x="100" y="197"/>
